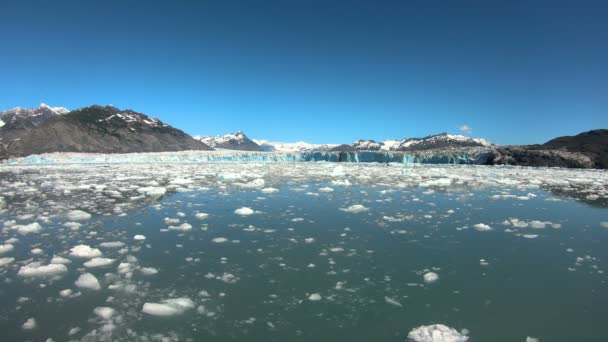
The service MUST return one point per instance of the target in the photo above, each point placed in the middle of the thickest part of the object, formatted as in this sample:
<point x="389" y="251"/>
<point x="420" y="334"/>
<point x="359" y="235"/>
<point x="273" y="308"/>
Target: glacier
<point x="472" y="156"/>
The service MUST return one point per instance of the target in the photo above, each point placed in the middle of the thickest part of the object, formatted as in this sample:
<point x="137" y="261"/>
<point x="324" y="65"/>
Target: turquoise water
<point x="497" y="280"/>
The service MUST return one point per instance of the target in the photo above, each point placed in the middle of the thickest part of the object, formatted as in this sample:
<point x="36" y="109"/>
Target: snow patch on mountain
<point x="232" y="141"/>
<point x="300" y="146"/>
<point x="29" y="117"/>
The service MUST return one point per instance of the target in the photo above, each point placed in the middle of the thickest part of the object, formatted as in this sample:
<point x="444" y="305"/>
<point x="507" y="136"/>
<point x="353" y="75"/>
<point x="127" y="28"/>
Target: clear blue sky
<point x="319" y="71"/>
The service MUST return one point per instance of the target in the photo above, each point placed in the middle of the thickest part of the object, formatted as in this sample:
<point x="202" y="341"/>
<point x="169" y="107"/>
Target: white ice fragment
<point x="314" y="297"/>
<point x="326" y="189"/>
<point x="112" y="244"/>
<point x="78" y="215"/>
<point x="72" y="225"/>
<point x="269" y="190"/>
<point x="139" y="237"/>
<point x="31" y="228"/>
<point x="99" y="262"/>
<point x="104" y="312"/>
<point x="30" y="324"/>
<point x="6" y="248"/>
<point x="36" y="269"/>
<point x="219" y="240"/>
<point x="184" y="227"/>
<point x="436" y="333"/>
<point x="152" y="191"/>
<point x="482" y="227"/>
<point x="84" y="251"/>
<point x="6" y="261"/>
<point x="168" y="307"/>
<point x="430" y="277"/>
<point x="532" y="339"/>
<point x="355" y="208"/>
<point x="148" y="270"/>
<point x="244" y="211"/>
<point x="393" y="302"/>
<point x="201" y="216"/>
<point x="88" y="281"/>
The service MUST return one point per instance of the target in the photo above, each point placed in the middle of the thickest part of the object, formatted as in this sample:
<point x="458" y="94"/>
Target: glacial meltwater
<point x="317" y="251"/>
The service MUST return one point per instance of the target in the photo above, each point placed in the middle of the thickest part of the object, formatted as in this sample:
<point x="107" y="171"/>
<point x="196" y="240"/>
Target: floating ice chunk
<point x="168" y="307"/>
<point x="338" y="171"/>
<point x="28" y="228"/>
<point x="87" y="281"/>
<point x="309" y="240"/>
<point x="256" y="183"/>
<point x="326" y="189"/>
<point x="37" y="270"/>
<point x="148" y="270"/>
<point x="393" y="302"/>
<point x="201" y="216"/>
<point x="85" y="251"/>
<point x="139" y="237"/>
<point x="169" y="220"/>
<point x="104" y="312"/>
<point x="482" y="227"/>
<point x="78" y="215"/>
<point x="440" y="182"/>
<point x="112" y="244"/>
<point x="72" y="225"/>
<point x="355" y="208"/>
<point x="6" y="248"/>
<point x="436" y="333"/>
<point x="430" y="277"/>
<point x="270" y="190"/>
<point x="184" y="227"/>
<point x="30" y="324"/>
<point x="244" y="211"/>
<point x="228" y="278"/>
<point x="530" y="236"/>
<point x="152" y="191"/>
<point x="99" y="262"/>
<point x="314" y="297"/>
<point x="66" y="293"/>
<point x="6" y="261"/>
<point x="532" y="339"/>
<point x="538" y="224"/>
<point x="219" y="240"/>
<point x="37" y="251"/>
<point x="604" y="224"/>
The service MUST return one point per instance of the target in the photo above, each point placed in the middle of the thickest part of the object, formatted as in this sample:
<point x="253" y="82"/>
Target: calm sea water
<point x="330" y="253"/>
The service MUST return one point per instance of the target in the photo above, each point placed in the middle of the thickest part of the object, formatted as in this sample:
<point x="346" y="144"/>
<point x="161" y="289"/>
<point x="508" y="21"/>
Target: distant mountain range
<point x="107" y="129"/>
<point x="90" y="129"/>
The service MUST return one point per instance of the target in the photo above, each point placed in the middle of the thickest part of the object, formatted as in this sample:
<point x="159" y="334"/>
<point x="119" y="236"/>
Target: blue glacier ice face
<point x="425" y="157"/>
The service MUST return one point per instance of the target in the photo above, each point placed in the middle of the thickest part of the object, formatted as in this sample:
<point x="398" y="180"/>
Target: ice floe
<point x="355" y="208"/>
<point x="168" y="307"/>
<point x="29" y="324"/>
<point x="85" y="252"/>
<point x="430" y="277"/>
<point x="36" y="269"/>
<point x="314" y="297"/>
<point x="87" y="281"/>
<point x="244" y="211"/>
<point x="436" y="333"/>
<point x="482" y="227"/>
<point x="78" y="215"/>
<point x="99" y="262"/>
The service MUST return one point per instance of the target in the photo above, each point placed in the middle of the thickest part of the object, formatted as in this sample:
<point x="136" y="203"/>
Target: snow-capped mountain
<point x="96" y="129"/>
<point x="299" y="146"/>
<point x="233" y="141"/>
<point x="25" y="118"/>
<point x="443" y="140"/>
